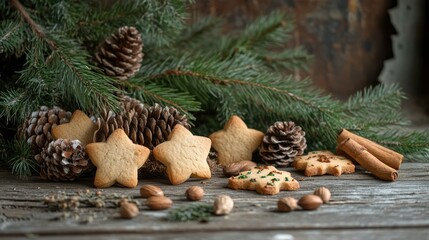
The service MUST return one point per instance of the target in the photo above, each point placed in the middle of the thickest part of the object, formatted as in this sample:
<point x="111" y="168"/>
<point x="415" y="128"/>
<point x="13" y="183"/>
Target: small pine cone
<point x="121" y="54"/>
<point x="63" y="160"/>
<point x="282" y="142"/>
<point x="36" y="129"/>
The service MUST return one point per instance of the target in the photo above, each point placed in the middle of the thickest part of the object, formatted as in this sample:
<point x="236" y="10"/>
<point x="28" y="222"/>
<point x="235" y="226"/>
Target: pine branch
<point x="79" y="81"/>
<point x="200" y="35"/>
<point x="412" y="143"/>
<point x="306" y="112"/>
<point x="239" y="82"/>
<point x="16" y="104"/>
<point x="12" y="37"/>
<point x="158" y="21"/>
<point x="376" y="106"/>
<point x="265" y="32"/>
<point x="22" y="162"/>
<point x="24" y="14"/>
<point x="288" y="59"/>
<point x="153" y="93"/>
<point x="268" y="31"/>
<point x="80" y="84"/>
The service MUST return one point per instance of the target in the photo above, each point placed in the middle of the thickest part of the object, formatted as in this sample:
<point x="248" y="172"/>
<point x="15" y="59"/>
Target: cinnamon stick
<point x="385" y="155"/>
<point x="367" y="160"/>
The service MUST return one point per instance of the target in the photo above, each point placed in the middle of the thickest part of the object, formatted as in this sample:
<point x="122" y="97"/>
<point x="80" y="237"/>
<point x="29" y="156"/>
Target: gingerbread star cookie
<point x="264" y="179"/>
<point x="235" y="142"/>
<point x="80" y="127"/>
<point x="117" y="160"/>
<point x="323" y="162"/>
<point x="184" y="155"/>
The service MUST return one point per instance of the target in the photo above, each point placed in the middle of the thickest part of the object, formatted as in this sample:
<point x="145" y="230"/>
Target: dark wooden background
<point x="349" y="39"/>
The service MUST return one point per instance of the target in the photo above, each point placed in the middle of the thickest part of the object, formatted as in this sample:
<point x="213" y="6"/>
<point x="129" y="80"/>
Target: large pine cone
<point x="36" y="129"/>
<point x="282" y="142"/>
<point x="121" y="54"/>
<point x="144" y="125"/>
<point x="63" y="160"/>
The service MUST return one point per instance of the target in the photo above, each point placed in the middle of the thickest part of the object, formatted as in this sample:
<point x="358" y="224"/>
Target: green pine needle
<point x="192" y="212"/>
<point x="22" y="163"/>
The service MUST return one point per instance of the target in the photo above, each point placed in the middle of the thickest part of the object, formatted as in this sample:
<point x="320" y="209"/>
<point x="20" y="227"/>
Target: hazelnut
<point x="287" y="204"/>
<point x="323" y="193"/>
<point x="128" y="210"/>
<point x="223" y="205"/>
<point x="150" y="190"/>
<point x="159" y="202"/>
<point x="310" y="202"/>
<point x="194" y="193"/>
<point x="233" y="169"/>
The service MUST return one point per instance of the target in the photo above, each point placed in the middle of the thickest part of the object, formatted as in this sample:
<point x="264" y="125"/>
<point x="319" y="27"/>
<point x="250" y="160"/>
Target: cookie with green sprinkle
<point x="265" y="180"/>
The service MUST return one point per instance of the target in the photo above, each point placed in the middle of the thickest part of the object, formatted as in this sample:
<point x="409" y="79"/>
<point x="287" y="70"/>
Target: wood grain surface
<point x="361" y="207"/>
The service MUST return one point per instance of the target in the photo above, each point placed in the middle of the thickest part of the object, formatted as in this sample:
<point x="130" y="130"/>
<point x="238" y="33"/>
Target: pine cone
<point x="121" y="54"/>
<point x="282" y="142"/>
<point x="144" y="125"/>
<point x="36" y="129"/>
<point x="63" y="160"/>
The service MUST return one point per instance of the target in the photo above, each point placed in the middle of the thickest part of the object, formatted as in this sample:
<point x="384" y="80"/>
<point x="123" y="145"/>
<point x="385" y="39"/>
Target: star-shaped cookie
<point x="264" y="179"/>
<point x="117" y="160"/>
<point x="323" y="162"/>
<point x="184" y="155"/>
<point x="80" y="127"/>
<point x="235" y="142"/>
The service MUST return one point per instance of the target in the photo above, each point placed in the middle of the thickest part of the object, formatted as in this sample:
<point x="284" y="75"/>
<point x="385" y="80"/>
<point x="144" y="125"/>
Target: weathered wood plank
<point x="349" y="234"/>
<point x="360" y="203"/>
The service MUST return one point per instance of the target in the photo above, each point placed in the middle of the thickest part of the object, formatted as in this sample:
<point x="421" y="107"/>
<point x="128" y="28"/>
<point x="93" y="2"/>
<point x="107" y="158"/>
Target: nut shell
<point x="159" y="202"/>
<point x="233" y="169"/>
<point x="194" y="193"/>
<point x="287" y="204"/>
<point x="150" y="191"/>
<point x="310" y="202"/>
<point x="223" y="205"/>
<point x="323" y="193"/>
<point x="128" y="210"/>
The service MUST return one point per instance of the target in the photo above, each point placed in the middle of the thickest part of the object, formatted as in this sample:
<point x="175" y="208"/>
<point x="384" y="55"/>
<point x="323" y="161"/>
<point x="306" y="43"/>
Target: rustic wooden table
<point x="362" y="207"/>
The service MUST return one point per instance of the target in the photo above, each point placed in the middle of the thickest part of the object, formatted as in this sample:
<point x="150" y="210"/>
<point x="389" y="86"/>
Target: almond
<point x="287" y="204"/>
<point x="150" y="190"/>
<point x="194" y="193"/>
<point x="323" y="193"/>
<point x="128" y="210"/>
<point x="223" y="205"/>
<point x="233" y="169"/>
<point x="310" y="202"/>
<point x="159" y="202"/>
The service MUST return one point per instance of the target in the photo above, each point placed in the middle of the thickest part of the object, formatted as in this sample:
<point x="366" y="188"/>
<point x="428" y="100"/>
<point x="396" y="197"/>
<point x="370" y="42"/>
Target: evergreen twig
<point x="192" y="212"/>
<point x="21" y="162"/>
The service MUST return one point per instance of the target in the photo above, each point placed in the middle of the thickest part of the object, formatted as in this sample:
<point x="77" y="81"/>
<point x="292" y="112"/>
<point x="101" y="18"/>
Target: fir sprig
<point x="12" y="38"/>
<point x="156" y="93"/>
<point x="63" y="73"/>
<point x="21" y="162"/>
<point x="192" y="212"/>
